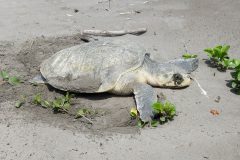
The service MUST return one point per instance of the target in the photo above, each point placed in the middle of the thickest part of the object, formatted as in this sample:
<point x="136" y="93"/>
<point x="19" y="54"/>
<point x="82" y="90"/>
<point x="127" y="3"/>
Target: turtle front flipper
<point x="185" y="65"/>
<point x="145" y="96"/>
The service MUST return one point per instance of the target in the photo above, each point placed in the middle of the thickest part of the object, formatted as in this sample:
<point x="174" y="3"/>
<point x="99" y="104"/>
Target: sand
<point x="31" y="31"/>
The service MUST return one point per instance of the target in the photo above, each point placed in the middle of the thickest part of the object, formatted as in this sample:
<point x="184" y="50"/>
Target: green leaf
<point x="19" y="104"/>
<point x="141" y="124"/>
<point x="4" y="75"/>
<point x="225" y="48"/>
<point x="154" y="123"/>
<point x="218" y="47"/>
<point x="14" y="80"/>
<point x="81" y="112"/>
<point x="157" y="107"/>
<point x="45" y="104"/>
<point x="217" y="52"/>
<point x="238" y="76"/>
<point x="66" y="106"/>
<point x="56" y="103"/>
<point x="133" y="112"/>
<point x="208" y="50"/>
<point x="234" y="84"/>
<point x="37" y="99"/>
<point x="235" y="63"/>
<point x="170" y="110"/>
<point x="162" y="119"/>
<point x="230" y="64"/>
<point x="226" y="63"/>
<point x="237" y="67"/>
<point x="187" y="56"/>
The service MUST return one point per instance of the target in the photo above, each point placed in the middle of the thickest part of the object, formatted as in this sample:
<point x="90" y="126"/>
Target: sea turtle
<point x="116" y="66"/>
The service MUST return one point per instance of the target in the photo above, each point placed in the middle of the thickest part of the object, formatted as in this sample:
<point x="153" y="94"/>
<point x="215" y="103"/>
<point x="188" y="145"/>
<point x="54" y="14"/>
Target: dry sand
<point x="33" y="30"/>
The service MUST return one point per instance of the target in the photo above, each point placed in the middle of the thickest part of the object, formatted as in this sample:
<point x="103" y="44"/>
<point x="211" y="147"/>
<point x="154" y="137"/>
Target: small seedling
<point x="59" y="104"/>
<point x="187" y="56"/>
<point x="83" y="113"/>
<point x="4" y="75"/>
<point x="13" y="80"/>
<point x="20" y="102"/>
<point x="62" y="104"/>
<point x="37" y="99"/>
<point x="163" y="113"/>
<point x="134" y="112"/>
<point x="219" y="56"/>
<point x="235" y="83"/>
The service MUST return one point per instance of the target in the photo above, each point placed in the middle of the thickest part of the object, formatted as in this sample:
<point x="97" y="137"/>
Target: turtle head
<point x="174" y="80"/>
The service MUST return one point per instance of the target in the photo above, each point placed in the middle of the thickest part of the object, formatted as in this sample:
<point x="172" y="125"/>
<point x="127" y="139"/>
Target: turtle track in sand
<point x="23" y="60"/>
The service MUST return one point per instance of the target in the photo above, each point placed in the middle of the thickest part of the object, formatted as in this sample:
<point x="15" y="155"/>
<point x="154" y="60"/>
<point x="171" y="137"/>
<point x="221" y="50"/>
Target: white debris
<point x="123" y="13"/>
<point x="200" y="87"/>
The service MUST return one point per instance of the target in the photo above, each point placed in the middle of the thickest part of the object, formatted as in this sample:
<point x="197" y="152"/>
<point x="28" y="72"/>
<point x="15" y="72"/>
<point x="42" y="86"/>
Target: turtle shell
<point x="92" y="67"/>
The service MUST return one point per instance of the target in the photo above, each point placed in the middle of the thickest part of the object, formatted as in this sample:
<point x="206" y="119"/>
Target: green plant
<point x="233" y="63"/>
<point x="13" y="80"/>
<point x="134" y="112"/>
<point x="37" y="99"/>
<point x="59" y="104"/>
<point x="62" y="104"/>
<point x="187" y="56"/>
<point x="163" y="113"/>
<point x="83" y="113"/>
<point x="20" y="102"/>
<point x="219" y="56"/>
<point x="235" y="83"/>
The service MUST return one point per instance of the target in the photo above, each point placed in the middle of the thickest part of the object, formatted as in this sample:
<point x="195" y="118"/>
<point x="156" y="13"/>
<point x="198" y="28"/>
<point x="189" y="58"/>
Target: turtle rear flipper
<point x="38" y="79"/>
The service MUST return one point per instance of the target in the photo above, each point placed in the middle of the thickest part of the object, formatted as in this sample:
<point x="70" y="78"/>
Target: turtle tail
<point x="38" y="79"/>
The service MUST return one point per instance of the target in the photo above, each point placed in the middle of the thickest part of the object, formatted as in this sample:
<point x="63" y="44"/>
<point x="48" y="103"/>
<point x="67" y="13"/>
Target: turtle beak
<point x="186" y="81"/>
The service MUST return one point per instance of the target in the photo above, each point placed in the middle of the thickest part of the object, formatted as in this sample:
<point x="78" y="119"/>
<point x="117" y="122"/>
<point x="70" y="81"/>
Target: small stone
<point x="217" y="99"/>
<point x="137" y="11"/>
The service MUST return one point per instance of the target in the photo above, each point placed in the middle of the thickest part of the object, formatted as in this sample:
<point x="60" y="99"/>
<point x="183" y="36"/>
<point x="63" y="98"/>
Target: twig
<point x="31" y="45"/>
<point x="123" y="13"/>
<point x="87" y="119"/>
<point x="138" y="31"/>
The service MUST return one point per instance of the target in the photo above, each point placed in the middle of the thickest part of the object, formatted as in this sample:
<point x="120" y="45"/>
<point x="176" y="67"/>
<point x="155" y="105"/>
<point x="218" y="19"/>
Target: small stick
<point x="109" y="4"/>
<point x="138" y="31"/>
<point x="87" y="119"/>
<point x="31" y="45"/>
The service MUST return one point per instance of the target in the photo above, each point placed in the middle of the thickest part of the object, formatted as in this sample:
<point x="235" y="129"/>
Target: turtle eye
<point x="177" y="78"/>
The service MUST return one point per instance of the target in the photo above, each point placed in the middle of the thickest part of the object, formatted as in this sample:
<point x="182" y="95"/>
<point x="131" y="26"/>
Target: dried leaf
<point x="214" y="112"/>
